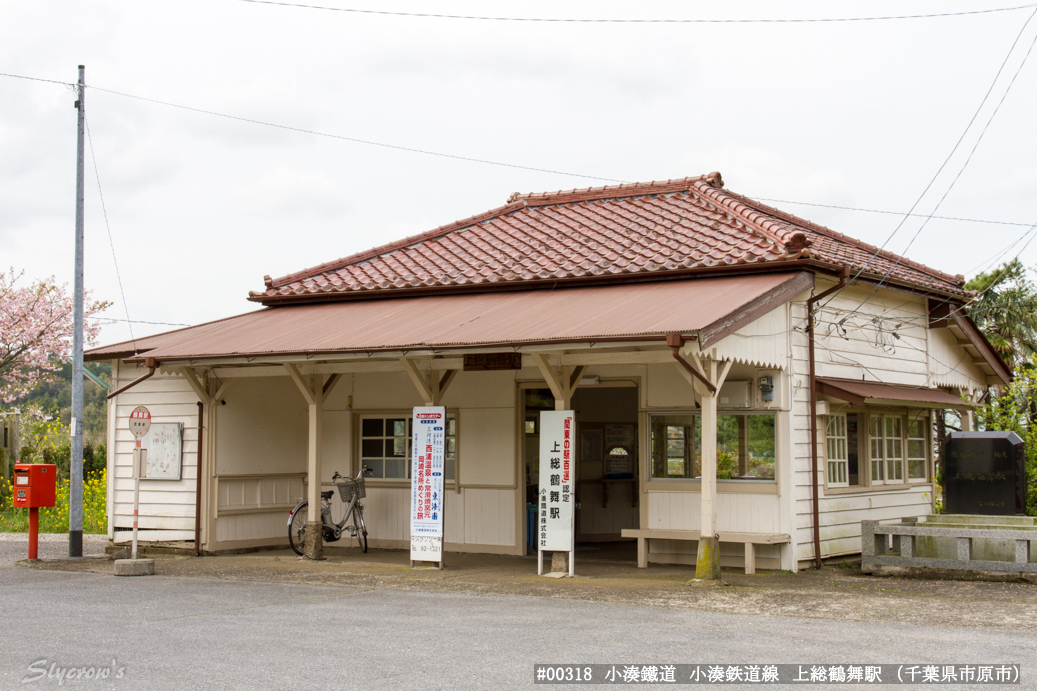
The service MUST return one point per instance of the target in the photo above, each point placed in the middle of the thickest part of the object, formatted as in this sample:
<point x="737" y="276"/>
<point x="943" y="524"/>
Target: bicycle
<point x="351" y="490"/>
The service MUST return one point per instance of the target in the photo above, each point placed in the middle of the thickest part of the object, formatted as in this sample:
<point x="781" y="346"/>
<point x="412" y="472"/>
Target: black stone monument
<point x="984" y="474"/>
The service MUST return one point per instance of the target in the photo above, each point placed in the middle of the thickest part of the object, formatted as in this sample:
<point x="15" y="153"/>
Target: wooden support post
<point x="750" y="558"/>
<point x="312" y="388"/>
<point x="707" y="562"/>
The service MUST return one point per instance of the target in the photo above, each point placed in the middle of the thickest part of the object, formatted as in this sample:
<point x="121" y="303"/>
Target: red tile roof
<point x="634" y="230"/>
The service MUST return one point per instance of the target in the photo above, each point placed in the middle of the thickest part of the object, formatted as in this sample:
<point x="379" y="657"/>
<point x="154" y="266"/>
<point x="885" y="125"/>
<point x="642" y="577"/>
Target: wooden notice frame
<point x="487" y="362"/>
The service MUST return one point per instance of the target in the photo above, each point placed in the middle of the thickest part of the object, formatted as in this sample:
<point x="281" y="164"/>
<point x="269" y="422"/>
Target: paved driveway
<point x="169" y="632"/>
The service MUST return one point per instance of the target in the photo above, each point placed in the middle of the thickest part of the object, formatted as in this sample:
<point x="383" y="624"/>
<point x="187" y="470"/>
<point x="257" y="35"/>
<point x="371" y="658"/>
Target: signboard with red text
<point x="427" y="467"/>
<point x="557" y="480"/>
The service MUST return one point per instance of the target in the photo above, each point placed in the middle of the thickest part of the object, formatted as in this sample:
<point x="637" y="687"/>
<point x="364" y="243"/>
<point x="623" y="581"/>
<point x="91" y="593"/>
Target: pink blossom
<point x="36" y="332"/>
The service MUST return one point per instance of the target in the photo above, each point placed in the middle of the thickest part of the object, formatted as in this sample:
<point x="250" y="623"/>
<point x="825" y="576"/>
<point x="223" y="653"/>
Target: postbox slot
<point x="22" y="480"/>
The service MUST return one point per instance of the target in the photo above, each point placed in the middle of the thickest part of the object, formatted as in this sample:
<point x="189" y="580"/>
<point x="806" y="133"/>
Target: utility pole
<point x="75" y="474"/>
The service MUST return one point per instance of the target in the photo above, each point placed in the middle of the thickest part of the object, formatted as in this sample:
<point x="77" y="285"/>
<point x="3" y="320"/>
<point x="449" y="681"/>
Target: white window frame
<point x="891" y="449"/>
<point x="407" y="459"/>
<point x="837" y="466"/>
<point x="696" y="438"/>
<point x="926" y="447"/>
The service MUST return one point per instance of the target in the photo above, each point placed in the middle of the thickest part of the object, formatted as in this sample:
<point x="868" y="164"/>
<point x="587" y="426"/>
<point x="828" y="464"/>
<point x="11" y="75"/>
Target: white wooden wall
<point x="167" y="507"/>
<point x="858" y="352"/>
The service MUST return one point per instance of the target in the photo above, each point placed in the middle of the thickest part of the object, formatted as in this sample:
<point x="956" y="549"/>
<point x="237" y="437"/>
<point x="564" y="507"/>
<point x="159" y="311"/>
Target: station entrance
<point x="607" y="448"/>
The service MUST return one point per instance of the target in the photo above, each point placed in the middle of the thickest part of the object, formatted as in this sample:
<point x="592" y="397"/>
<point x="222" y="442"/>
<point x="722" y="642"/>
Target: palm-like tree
<point x="1005" y="309"/>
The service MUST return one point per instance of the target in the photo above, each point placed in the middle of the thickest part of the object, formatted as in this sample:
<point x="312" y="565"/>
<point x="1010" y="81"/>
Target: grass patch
<point x="54" y="519"/>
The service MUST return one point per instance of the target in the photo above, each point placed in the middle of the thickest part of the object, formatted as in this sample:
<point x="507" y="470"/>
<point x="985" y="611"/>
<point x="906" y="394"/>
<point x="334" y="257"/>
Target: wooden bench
<point x="750" y="540"/>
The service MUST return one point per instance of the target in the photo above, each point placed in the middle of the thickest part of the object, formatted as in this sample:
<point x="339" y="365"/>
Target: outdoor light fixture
<point x="590" y="381"/>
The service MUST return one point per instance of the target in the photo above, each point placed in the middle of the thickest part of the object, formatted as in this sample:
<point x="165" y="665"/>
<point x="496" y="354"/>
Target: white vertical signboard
<point x="426" y="486"/>
<point x="557" y="499"/>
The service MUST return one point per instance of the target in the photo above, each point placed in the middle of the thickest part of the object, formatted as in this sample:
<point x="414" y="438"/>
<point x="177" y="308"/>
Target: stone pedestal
<point x="313" y="544"/>
<point x="134" y="567"/>
<point x="560" y="562"/>
<point x="707" y="564"/>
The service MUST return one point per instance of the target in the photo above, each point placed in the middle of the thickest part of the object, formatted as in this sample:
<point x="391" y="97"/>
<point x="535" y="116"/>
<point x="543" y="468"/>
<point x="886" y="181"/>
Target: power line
<point x="891" y="213"/>
<point x="137" y="321"/>
<point x="36" y="79"/>
<point x="551" y="20"/>
<point x="111" y="242"/>
<point x="478" y="160"/>
<point x="354" y="139"/>
<point x="947" y="159"/>
<point x="963" y="165"/>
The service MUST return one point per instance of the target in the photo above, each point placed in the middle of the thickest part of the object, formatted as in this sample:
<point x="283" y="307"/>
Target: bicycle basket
<point x="348" y="487"/>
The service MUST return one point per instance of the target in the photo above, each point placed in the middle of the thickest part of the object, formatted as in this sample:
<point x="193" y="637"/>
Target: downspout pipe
<point x="151" y="364"/>
<point x="815" y="491"/>
<point x="198" y="487"/>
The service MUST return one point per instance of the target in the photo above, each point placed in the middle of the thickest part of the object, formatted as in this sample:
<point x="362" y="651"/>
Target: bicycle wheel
<point x="361" y="527"/>
<point x="297" y="527"/>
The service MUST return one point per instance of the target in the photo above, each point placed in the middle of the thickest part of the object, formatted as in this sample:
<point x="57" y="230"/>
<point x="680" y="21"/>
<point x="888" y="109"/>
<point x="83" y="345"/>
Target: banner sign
<point x="557" y="434"/>
<point x="428" y="427"/>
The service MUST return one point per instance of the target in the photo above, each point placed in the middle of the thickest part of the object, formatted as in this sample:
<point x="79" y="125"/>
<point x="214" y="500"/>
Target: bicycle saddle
<point x="327" y="495"/>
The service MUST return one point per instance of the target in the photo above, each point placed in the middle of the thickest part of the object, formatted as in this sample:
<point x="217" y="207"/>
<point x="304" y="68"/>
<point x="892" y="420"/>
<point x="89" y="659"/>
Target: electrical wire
<point x="136" y="321"/>
<point x="550" y="20"/>
<point x="352" y="139"/>
<point x="477" y="160"/>
<point x="943" y="165"/>
<point x="963" y="165"/>
<point x="111" y="242"/>
<point x="891" y="213"/>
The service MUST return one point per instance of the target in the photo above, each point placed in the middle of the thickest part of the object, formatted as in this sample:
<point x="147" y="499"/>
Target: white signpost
<point x="140" y="423"/>
<point x="557" y="499"/>
<point x="428" y="426"/>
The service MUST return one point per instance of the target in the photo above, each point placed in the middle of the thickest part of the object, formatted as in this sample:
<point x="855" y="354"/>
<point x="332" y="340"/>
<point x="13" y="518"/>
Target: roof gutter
<point x="843" y="278"/>
<point x="151" y="364"/>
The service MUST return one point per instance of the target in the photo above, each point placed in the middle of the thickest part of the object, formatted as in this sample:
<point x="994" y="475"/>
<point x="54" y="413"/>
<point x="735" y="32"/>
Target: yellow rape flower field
<point x="55" y="518"/>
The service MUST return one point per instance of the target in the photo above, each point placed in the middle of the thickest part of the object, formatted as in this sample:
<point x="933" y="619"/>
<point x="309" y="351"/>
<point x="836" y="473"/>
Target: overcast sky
<point x="200" y="207"/>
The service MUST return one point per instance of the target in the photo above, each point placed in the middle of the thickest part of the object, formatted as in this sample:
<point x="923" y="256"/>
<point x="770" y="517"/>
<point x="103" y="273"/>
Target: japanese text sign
<point x="557" y="455"/>
<point x="426" y="514"/>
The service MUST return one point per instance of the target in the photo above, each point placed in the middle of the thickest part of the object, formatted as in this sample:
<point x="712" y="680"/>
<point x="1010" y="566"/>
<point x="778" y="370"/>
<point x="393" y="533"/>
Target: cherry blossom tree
<point x="36" y="332"/>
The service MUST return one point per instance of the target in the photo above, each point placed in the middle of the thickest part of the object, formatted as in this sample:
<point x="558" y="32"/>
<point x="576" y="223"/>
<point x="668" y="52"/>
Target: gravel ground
<point x="832" y="593"/>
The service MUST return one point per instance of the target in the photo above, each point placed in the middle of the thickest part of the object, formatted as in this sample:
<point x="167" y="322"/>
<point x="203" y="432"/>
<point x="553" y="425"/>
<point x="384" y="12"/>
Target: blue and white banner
<point x="428" y="427"/>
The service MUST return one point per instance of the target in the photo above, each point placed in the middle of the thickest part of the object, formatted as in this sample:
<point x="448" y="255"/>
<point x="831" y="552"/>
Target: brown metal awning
<point x="707" y="309"/>
<point x="876" y="393"/>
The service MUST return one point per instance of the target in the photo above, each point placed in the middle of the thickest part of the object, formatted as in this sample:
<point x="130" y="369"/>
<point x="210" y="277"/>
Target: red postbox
<point x="34" y="487"/>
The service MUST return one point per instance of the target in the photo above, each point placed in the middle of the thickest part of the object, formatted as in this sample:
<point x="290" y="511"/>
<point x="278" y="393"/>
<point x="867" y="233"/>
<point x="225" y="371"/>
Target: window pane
<point x="531" y="426"/>
<point x="396" y="428"/>
<point x="451" y="447"/>
<point x="876" y="426"/>
<point x="371" y="448"/>
<point x="761" y="451"/>
<point x="853" y="474"/>
<point x="894" y="470"/>
<point x="916" y="470"/>
<point x="376" y="466"/>
<point x="670" y="443"/>
<point x="371" y="428"/>
<point x="451" y="426"/>
<point x="916" y="428"/>
<point x="396" y="447"/>
<point x="395" y="468"/>
<point x="916" y="448"/>
<point x="876" y="449"/>
<point x="892" y="426"/>
<point x="876" y="471"/>
<point x="448" y="470"/>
